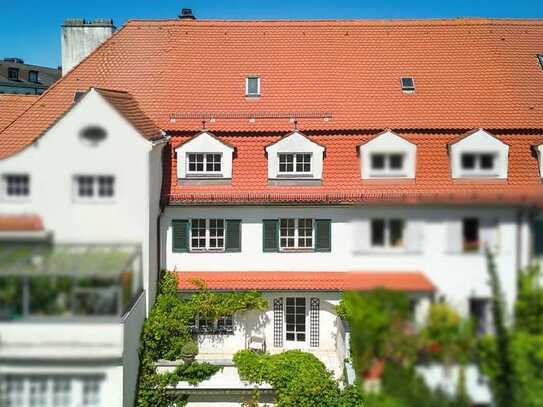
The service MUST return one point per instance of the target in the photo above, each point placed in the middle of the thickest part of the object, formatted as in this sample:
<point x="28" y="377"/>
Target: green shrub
<point x="189" y="348"/>
<point x="299" y="379"/>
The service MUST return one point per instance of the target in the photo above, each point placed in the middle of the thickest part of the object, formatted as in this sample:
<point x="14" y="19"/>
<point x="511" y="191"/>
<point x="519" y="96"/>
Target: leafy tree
<point x="529" y="303"/>
<point x="503" y="383"/>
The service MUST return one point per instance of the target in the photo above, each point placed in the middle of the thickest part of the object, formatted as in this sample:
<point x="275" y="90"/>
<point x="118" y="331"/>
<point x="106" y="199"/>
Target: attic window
<point x="13" y="74"/>
<point x="252" y="85"/>
<point x="540" y="58"/>
<point x="408" y="83"/>
<point x="33" y="76"/>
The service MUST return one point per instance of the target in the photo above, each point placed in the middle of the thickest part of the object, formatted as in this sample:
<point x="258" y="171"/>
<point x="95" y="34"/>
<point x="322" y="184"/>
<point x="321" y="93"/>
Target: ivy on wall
<point x="166" y="333"/>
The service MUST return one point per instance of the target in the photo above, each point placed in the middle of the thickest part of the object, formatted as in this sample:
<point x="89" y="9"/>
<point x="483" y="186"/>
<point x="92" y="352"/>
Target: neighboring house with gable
<point x="300" y="159"/>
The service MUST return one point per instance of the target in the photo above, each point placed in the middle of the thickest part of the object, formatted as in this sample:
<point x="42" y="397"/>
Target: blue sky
<point x="31" y="29"/>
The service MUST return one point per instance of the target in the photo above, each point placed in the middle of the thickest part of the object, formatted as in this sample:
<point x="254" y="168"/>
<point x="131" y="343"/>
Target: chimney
<point x="80" y="38"/>
<point x="186" y="14"/>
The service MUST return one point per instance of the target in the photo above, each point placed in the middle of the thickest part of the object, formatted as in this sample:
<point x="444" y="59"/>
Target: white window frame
<point x="205" y="172"/>
<point x="478" y="171"/>
<point x="387" y="234"/>
<point x="294" y="172"/>
<point x="16" y="198"/>
<point x="247" y="78"/>
<point x="296" y="237"/>
<point x="387" y="171"/>
<point x="208" y="236"/>
<point x="95" y="188"/>
<point x="214" y="324"/>
<point x="76" y="385"/>
<point x="306" y="331"/>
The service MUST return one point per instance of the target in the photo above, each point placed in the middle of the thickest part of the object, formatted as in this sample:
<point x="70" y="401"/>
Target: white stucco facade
<point x="52" y="163"/>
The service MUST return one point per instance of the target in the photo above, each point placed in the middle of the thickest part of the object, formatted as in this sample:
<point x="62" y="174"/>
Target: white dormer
<point x="539" y="151"/>
<point x="204" y="157"/>
<point x="388" y="156"/>
<point x="295" y="157"/>
<point x="479" y="155"/>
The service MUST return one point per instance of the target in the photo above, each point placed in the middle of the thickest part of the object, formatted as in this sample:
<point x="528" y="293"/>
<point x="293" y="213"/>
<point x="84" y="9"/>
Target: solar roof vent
<point x="408" y="84"/>
<point x="540" y="57"/>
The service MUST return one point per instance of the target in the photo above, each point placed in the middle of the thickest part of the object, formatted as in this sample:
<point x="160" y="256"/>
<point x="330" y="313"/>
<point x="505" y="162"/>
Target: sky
<point x="31" y="29"/>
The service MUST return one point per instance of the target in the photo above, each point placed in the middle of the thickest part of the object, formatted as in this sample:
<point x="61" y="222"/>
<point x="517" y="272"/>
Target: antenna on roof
<point x="295" y="124"/>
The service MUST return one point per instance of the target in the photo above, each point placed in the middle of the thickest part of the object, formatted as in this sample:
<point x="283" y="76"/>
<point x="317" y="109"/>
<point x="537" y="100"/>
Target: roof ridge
<point x="458" y="21"/>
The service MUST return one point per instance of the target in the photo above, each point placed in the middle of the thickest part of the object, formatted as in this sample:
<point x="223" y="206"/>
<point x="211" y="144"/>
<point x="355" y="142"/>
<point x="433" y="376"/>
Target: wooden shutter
<point x="270" y="235"/>
<point x="413" y="235"/>
<point x="314" y="328"/>
<point x="323" y="238"/>
<point x="278" y="322"/>
<point x="180" y="235"/>
<point x="233" y="235"/>
<point x="538" y="237"/>
<point x="362" y="237"/>
<point x="454" y="236"/>
<point x="489" y="234"/>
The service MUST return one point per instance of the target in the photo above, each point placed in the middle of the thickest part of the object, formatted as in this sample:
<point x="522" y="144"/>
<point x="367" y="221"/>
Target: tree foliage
<point x="529" y="303"/>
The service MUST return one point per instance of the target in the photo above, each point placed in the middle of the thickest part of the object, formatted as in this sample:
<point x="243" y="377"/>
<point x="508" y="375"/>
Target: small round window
<point x="93" y="134"/>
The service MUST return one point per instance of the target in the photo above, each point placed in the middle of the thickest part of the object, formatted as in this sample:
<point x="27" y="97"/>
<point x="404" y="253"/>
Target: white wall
<point x="456" y="275"/>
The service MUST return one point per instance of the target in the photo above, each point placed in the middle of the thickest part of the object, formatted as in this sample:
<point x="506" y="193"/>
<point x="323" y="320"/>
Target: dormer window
<point x="391" y="164"/>
<point x="295" y="159"/>
<point x="292" y="164"/>
<point x="479" y="155"/>
<point x="478" y="163"/>
<point x="408" y="84"/>
<point x="387" y="156"/>
<point x="540" y="58"/>
<point x="252" y="85"/>
<point x="202" y="164"/>
<point x="13" y="74"/>
<point x="33" y="76"/>
<point x="204" y="157"/>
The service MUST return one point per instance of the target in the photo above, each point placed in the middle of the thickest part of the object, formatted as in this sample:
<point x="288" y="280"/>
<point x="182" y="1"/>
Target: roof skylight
<point x="408" y="83"/>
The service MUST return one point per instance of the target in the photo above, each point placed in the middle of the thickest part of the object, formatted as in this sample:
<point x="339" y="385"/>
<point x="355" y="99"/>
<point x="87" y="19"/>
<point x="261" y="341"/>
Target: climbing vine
<point x="166" y="335"/>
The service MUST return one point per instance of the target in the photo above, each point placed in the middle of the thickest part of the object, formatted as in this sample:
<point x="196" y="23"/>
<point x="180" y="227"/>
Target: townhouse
<point x="298" y="158"/>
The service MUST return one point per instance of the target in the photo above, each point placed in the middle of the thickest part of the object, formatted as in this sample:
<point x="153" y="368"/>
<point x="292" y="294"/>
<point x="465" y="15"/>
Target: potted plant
<point x="189" y="351"/>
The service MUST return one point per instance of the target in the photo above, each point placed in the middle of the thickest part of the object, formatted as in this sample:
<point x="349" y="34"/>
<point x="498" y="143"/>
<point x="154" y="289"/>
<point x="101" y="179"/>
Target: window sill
<point x="97" y="201"/>
<point x="296" y="250"/>
<point x="207" y="251"/>
<point x="209" y="175"/>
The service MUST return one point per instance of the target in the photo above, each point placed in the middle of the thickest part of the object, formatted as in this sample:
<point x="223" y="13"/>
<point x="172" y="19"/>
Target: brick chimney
<point x="80" y="38"/>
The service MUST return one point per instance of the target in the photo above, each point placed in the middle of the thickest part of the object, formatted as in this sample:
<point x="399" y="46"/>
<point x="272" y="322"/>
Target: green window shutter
<point x="233" y="235"/>
<point x="538" y="237"/>
<point x="323" y="238"/>
<point x="270" y="235"/>
<point x="180" y="235"/>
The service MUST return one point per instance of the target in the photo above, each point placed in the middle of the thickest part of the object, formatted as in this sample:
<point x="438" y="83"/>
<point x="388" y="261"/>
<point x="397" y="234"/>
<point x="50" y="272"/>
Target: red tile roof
<point x="342" y="184"/>
<point x="469" y="73"/>
<point x="305" y="280"/>
<point x="127" y="106"/>
<point x="12" y="106"/>
<point x="20" y="223"/>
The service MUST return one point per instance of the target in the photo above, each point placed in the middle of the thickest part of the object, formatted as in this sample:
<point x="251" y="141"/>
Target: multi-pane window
<point x="17" y="185"/>
<point x="295" y="319"/>
<point x="252" y="86"/>
<point x="470" y="235"/>
<point x="204" y="163"/>
<point x="225" y="324"/>
<point x="479" y="311"/>
<point x="387" y="164"/>
<point x="49" y="390"/>
<point x="37" y="392"/>
<point x="387" y="233"/>
<point x="204" y="325"/>
<point x="33" y="76"/>
<point x="95" y="187"/>
<point x="13" y="74"/>
<point x="295" y="163"/>
<point x="296" y="233"/>
<point x="91" y="392"/>
<point x="62" y="392"/>
<point x="207" y="234"/>
<point x="478" y="163"/>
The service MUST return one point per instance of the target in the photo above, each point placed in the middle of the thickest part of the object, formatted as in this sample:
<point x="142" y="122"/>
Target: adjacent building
<point x="298" y="158"/>
<point x="20" y="78"/>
